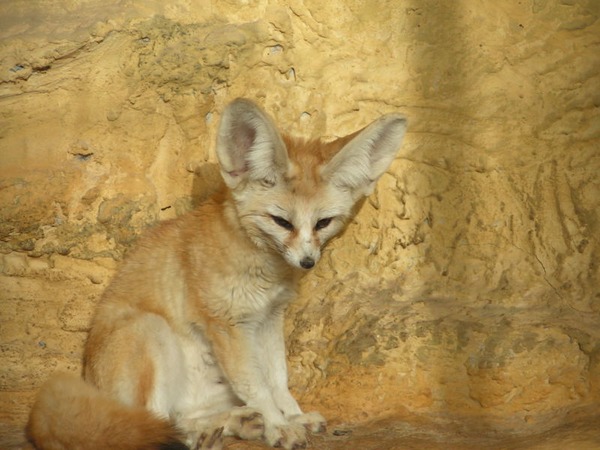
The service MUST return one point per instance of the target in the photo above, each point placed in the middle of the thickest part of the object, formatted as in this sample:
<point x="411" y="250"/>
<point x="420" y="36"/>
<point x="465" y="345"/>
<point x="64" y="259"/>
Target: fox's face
<point x="293" y="197"/>
<point x="296" y="221"/>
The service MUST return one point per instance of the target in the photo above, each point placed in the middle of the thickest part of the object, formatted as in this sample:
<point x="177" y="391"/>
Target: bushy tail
<point x="71" y="414"/>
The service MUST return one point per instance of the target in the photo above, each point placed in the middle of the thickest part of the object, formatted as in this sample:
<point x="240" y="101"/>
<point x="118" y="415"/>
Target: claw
<point x="212" y="442"/>
<point x="216" y="436"/>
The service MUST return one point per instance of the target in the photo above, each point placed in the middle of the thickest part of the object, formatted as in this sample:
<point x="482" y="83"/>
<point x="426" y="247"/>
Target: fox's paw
<point x="245" y="423"/>
<point x="210" y="440"/>
<point x="291" y="436"/>
<point x="312" y="421"/>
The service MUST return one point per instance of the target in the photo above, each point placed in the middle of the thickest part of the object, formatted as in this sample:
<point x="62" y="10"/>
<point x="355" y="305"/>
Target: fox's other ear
<point x="249" y="147"/>
<point x="360" y="163"/>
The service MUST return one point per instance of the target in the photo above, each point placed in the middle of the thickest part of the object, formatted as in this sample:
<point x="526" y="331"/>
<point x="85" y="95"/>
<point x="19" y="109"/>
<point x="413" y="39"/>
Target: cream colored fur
<point x="191" y="327"/>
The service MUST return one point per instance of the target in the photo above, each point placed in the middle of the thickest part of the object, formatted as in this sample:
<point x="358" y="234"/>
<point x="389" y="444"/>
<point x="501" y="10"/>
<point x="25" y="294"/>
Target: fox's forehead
<point x="306" y="159"/>
<point x="306" y="199"/>
<point x="310" y="152"/>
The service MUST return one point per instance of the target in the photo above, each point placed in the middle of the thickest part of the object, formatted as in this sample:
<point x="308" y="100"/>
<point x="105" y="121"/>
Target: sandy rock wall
<point x="468" y="283"/>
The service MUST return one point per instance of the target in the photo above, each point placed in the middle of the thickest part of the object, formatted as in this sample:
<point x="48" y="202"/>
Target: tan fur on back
<point x="190" y="331"/>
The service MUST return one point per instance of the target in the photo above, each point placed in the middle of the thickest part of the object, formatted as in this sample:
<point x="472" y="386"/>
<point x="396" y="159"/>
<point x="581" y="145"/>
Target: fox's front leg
<point x="270" y="335"/>
<point x="240" y="357"/>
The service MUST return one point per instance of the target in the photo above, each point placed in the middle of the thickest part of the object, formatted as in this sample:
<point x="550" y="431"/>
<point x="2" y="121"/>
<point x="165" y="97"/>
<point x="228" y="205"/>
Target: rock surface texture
<point x="461" y="309"/>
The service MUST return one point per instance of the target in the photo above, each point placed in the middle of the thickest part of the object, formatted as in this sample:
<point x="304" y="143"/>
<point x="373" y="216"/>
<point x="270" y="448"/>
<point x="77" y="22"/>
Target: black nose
<point x="307" y="263"/>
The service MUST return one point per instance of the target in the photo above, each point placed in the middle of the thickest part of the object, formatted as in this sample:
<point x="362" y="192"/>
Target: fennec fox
<point x="187" y="344"/>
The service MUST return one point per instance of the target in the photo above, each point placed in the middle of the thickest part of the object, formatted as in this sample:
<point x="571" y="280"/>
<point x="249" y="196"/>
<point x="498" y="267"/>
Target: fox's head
<point x="293" y="197"/>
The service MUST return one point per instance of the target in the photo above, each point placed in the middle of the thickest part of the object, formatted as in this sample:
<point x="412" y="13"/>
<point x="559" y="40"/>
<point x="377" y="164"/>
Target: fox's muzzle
<point x="307" y="263"/>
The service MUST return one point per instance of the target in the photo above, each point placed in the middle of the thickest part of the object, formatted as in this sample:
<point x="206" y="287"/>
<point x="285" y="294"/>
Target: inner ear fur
<point x="249" y="146"/>
<point x="366" y="154"/>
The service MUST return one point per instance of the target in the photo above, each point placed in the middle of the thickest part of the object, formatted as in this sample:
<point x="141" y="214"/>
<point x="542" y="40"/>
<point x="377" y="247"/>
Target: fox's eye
<point x="322" y="223"/>
<point x="282" y="223"/>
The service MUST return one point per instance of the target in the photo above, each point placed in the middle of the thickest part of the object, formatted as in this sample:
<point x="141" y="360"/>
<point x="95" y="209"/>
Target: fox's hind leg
<point x="207" y="432"/>
<point x="245" y="423"/>
<point x="138" y="361"/>
<point x="208" y="440"/>
<point x="209" y="404"/>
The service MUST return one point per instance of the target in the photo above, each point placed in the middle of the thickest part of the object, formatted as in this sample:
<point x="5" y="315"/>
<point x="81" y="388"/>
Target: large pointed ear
<point x="249" y="147"/>
<point x="360" y="163"/>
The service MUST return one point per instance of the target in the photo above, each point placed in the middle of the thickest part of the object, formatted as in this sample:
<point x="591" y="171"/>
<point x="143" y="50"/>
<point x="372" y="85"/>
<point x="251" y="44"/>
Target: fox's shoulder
<point x="207" y="214"/>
